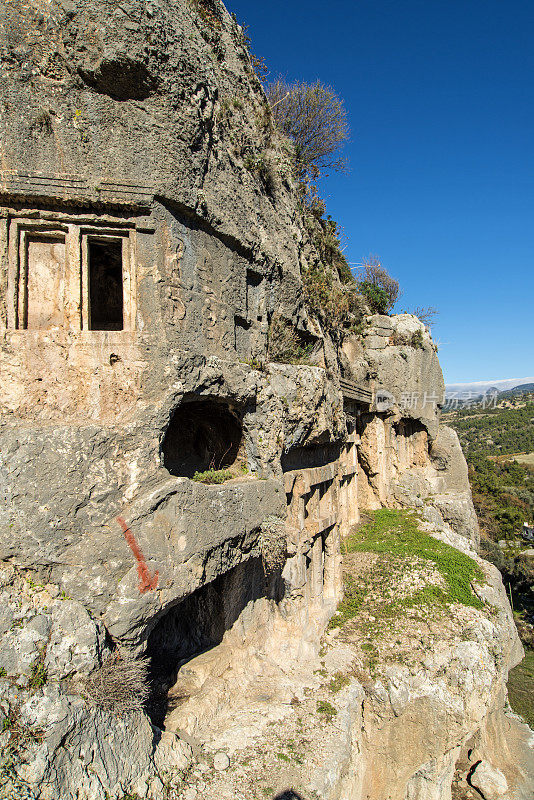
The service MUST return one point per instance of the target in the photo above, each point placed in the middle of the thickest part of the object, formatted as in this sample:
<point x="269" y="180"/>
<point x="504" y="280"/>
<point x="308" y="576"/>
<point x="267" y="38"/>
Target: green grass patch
<point x="213" y="476"/>
<point x="326" y="709"/>
<point x="396" y="534"/>
<point x="338" y="682"/>
<point x="7" y="723"/>
<point x="38" y="673"/>
<point x="521" y="688"/>
<point x="353" y="597"/>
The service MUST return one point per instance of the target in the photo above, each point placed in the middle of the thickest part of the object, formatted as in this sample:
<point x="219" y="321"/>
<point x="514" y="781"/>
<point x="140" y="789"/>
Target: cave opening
<point x="105" y="285"/>
<point x="203" y="434"/>
<point x="194" y="626"/>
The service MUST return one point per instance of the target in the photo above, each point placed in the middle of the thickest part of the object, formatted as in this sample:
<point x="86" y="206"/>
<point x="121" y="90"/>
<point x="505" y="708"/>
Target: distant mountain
<point x="490" y="396"/>
<point x="480" y="388"/>
<point x="523" y="387"/>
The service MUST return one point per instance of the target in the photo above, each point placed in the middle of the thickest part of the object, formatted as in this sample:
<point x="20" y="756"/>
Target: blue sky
<point x="441" y="181"/>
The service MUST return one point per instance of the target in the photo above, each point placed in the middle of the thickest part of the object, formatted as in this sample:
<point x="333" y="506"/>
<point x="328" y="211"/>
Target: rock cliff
<point x="187" y="445"/>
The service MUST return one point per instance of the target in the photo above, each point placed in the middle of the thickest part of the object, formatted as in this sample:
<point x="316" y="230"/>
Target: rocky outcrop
<point x="386" y="708"/>
<point x="406" y="457"/>
<point x="55" y="741"/>
<point x="176" y="485"/>
<point x="399" y="356"/>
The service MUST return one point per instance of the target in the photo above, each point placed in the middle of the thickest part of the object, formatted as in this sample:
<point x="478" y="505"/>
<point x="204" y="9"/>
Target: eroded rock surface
<point x="152" y="242"/>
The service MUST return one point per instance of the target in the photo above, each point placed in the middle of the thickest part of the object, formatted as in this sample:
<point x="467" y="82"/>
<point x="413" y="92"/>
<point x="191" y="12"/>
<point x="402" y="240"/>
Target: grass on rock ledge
<point x="213" y="476"/>
<point x="221" y="475"/>
<point x="400" y="544"/>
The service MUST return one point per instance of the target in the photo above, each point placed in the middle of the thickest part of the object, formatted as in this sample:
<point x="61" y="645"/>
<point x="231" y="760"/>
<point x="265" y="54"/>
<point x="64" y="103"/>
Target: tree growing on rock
<point x="315" y="119"/>
<point x="378" y="287"/>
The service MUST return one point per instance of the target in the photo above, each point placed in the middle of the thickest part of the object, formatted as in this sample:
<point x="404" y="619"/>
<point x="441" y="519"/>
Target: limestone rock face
<point x="141" y="96"/>
<point x="60" y="745"/>
<point x="388" y="717"/>
<point x="490" y="782"/>
<point x="398" y="354"/>
<point x="171" y="492"/>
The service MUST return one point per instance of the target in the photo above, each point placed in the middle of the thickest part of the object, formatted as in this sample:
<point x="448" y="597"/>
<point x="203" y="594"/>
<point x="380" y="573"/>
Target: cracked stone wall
<point x="149" y="231"/>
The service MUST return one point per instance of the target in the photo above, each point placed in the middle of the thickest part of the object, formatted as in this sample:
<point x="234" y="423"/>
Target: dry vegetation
<point x="314" y="118"/>
<point x="119" y="685"/>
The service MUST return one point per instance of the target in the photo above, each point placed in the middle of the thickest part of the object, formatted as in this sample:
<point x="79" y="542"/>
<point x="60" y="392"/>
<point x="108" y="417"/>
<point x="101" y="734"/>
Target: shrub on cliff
<point x="119" y="685"/>
<point x="285" y="344"/>
<point x="212" y="476"/>
<point x="336" y="304"/>
<point x="377" y="286"/>
<point x="315" y="119"/>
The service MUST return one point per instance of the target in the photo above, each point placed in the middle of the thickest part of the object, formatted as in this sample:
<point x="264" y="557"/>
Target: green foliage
<point x="338" y="682"/>
<point x="3" y="672"/>
<point x="314" y="118"/>
<point x="326" y="235"/>
<point x="326" y="708"/>
<point x="253" y="362"/>
<point x="285" y="344"/>
<point x="510" y="521"/>
<point x="330" y="291"/>
<point x="503" y="494"/>
<point x="417" y="340"/>
<point x="397" y="534"/>
<point x="353" y="596"/>
<point x="377" y="286"/>
<point x="213" y="476"/>
<point x="375" y="296"/>
<point x="38" y="673"/>
<point x="495" y="431"/>
<point x="335" y="304"/>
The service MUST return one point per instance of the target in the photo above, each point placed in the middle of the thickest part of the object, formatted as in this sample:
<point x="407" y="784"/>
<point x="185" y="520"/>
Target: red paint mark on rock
<point x="146" y="581"/>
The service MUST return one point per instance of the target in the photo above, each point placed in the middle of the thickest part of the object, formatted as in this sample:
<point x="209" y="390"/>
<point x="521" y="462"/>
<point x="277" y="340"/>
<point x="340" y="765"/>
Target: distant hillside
<point x="524" y="388"/>
<point x="480" y="388"/>
<point x="496" y="432"/>
<point x="503" y="491"/>
<point x="492" y="396"/>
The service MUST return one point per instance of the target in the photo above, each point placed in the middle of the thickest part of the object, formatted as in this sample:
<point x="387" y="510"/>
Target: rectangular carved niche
<point x="243" y="337"/>
<point x="255" y="299"/>
<point x="67" y="275"/>
<point x="42" y="282"/>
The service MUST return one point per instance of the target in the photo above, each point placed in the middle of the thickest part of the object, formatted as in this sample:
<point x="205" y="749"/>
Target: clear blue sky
<point x="440" y="95"/>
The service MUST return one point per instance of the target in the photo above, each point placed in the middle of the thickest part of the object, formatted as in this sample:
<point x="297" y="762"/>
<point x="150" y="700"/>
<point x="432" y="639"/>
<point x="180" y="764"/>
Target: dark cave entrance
<point x="105" y="285"/>
<point x="195" y="625"/>
<point x="202" y="434"/>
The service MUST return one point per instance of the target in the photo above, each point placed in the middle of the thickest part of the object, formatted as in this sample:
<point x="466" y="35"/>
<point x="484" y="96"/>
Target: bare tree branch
<point x="314" y="117"/>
